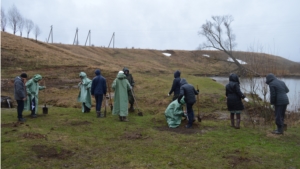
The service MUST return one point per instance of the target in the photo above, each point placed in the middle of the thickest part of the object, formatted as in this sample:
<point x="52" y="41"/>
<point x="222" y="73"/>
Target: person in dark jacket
<point x="98" y="89"/>
<point x="131" y="82"/>
<point x="234" y="99"/>
<point x="278" y="98"/>
<point x="20" y="94"/>
<point x="189" y="92"/>
<point x="176" y="85"/>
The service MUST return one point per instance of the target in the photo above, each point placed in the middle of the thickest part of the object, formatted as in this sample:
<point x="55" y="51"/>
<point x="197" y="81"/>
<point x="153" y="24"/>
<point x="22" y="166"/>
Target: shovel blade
<point x="45" y="110"/>
<point x="140" y="113"/>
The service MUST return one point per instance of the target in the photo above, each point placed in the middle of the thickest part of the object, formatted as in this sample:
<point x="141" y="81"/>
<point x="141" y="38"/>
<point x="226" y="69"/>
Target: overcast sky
<point x="270" y="26"/>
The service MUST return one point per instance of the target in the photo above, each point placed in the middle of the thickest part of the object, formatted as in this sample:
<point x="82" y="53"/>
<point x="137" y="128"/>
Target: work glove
<point x="197" y="90"/>
<point x="272" y="107"/>
<point x="246" y="99"/>
<point x="168" y="94"/>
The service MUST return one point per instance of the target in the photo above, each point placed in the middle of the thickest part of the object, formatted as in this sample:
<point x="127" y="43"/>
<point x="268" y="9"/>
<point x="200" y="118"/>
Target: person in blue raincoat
<point x="84" y="95"/>
<point x="32" y="89"/>
<point x="174" y="112"/>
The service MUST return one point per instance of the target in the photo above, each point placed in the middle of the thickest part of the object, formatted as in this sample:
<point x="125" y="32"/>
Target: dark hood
<point x="176" y="74"/>
<point x="125" y="69"/>
<point x="270" y="77"/>
<point x="98" y="72"/>
<point x="182" y="82"/>
<point x="234" y="78"/>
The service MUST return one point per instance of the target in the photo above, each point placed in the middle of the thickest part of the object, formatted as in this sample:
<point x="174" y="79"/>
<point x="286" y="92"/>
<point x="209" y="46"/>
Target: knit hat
<point x="23" y="75"/>
<point x="121" y="71"/>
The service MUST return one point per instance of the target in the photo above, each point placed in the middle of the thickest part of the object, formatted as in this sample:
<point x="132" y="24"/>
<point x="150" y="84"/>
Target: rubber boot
<point x="131" y="109"/>
<point x="98" y="114"/>
<point x="125" y="119"/>
<point x="232" y="120"/>
<point x="279" y="130"/>
<point x="238" y="120"/>
<point x="121" y="118"/>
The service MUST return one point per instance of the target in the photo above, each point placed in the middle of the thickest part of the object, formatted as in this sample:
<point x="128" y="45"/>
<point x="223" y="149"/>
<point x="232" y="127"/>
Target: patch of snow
<point x="206" y="55"/>
<point x="167" y="54"/>
<point x="240" y="61"/>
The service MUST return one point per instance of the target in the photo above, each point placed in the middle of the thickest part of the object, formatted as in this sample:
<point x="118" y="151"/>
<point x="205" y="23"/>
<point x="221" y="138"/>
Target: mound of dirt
<point x="34" y="136"/>
<point x="43" y="151"/>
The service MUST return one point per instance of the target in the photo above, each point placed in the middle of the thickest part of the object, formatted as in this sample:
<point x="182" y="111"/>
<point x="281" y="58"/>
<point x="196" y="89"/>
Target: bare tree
<point x="37" y="32"/>
<point x="29" y="26"/>
<point x="3" y="20"/>
<point x="219" y="36"/>
<point x="14" y="17"/>
<point x="21" y="25"/>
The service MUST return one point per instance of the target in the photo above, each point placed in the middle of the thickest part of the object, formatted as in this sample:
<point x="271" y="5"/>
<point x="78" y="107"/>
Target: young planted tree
<point x="29" y="26"/>
<point x="3" y="20"/>
<point x="14" y="17"/>
<point x="37" y="32"/>
<point x="219" y="36"/>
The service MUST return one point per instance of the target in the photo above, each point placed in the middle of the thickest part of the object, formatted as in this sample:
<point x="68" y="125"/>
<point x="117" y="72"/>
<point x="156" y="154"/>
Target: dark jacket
<point x="234" y="94"/>
<point x="176" y="83"/>
<point x="188" y="91"/>
<point x="128" y="77"/>
<point x="278" y="90"/>
<point x="98" y="84"/>
<point x="19" y="91"/>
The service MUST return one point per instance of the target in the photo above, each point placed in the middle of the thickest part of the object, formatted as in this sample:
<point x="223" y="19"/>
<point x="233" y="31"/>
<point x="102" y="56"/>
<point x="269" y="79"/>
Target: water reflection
<point x="257" y="85"/>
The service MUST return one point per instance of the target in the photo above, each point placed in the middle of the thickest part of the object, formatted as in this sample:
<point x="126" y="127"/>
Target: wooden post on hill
<point x="112" y="38"/>
<point x="88" y="37"/>
<point x="76" y="38"/>
<point x="51" y="33"/>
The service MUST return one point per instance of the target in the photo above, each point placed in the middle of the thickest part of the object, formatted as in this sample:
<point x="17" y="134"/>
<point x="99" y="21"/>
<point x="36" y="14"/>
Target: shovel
<point x="198" y="106"/>
<point x="110" y="102"/>
<point x="105" y="108"/>
<point x="139" y="112"/>
<point x="45" y="108"/>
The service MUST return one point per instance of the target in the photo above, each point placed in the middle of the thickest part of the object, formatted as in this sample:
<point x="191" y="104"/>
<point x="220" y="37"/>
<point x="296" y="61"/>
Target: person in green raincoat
<point x="84" y="95"/>
<point x="32" y="89"/>
<point x="121" y="86"/>
<point x="174" y="112"/>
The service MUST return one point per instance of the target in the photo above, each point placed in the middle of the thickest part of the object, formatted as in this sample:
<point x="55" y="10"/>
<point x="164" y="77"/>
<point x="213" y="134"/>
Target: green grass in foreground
<point x="68" y="138"/>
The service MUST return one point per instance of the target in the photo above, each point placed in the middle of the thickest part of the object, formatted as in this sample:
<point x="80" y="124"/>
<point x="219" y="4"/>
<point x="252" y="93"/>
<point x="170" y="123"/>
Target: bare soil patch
<point x="14" y="124"/>
<point x="236" y="159"/>
<point x="196" y="129"/>
<point x="42" y="151"/>
<point x="133" y="136"/>
<point x="34" y="136"/>
<point x="79" y="123"/>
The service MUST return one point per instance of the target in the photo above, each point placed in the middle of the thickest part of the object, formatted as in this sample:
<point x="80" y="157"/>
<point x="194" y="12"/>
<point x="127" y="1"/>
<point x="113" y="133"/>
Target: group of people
<point x="184" y="93"/>
<point x="26" y="93"/>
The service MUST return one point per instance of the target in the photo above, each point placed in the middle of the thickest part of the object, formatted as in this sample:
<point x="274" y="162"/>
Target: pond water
<point x="258" y="84"/>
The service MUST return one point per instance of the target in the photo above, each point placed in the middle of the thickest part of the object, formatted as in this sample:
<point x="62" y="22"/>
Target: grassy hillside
<point x="67" y="138"/>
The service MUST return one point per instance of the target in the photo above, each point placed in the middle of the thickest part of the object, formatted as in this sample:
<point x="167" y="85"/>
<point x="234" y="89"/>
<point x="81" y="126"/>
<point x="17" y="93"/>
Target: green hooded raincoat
<point x="121" y="86"/>
<point x="84" y="95"/>
<point x="174" y="113"/>
<point x="32" y="89"/>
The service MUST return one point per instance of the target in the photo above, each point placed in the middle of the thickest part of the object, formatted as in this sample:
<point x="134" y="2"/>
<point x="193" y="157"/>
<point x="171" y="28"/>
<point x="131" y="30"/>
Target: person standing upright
<point x="176" y="85"/>
<point x="84" y="95"/>
<point x="189" y="92"/>
<point x="20" y="94"/>
<point x="131" y="82"/>
<point x="98" y="89"/>
<point x="234" y="98"/>
<point x="278" y="98"/>
<point x="121" y="87"/>
<point x="32" y="89"/>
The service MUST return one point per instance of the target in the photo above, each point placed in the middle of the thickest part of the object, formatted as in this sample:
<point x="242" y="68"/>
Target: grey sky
<point x="269" y="26"/>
